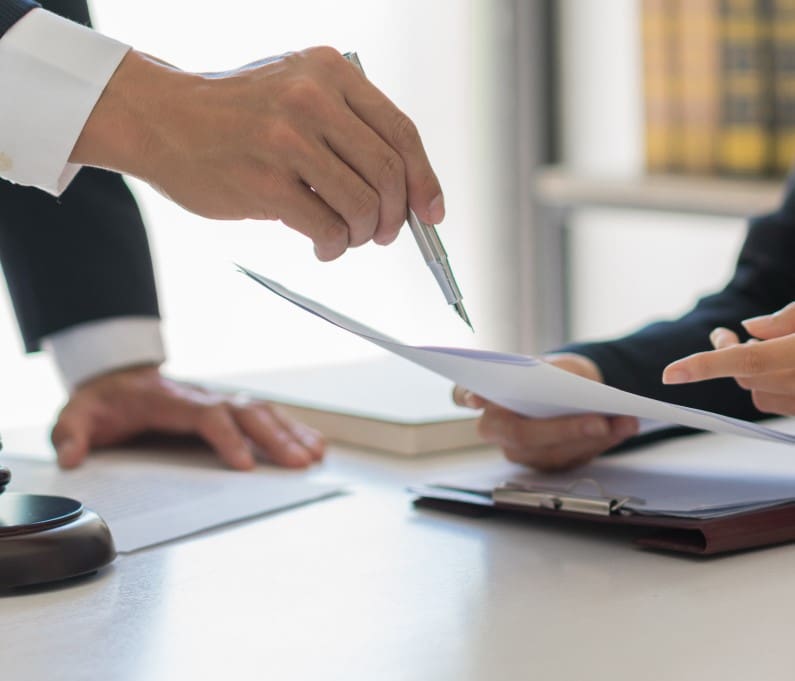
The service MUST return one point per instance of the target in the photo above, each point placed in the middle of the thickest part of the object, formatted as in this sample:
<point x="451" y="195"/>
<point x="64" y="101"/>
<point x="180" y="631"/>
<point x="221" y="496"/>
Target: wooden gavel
<point x="5" y="475"/>
<point x="5" y="478"/>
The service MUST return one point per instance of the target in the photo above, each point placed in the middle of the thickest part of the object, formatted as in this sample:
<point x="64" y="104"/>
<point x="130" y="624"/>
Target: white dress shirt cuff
<point x="88" y="350"/>
<point x="52" y="72"/>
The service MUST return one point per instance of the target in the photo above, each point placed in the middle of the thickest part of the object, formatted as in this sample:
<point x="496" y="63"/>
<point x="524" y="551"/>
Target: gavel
<point x="47" y="539"/>
<point x="5" y="474"/>
<point x="5" y="478"/>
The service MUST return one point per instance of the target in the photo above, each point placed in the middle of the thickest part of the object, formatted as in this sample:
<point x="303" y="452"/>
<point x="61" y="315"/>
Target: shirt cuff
<point x="52" y="72"/>
<point x="87" y="350"/>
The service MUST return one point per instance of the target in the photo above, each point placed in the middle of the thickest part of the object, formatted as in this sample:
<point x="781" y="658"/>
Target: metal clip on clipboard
<point x="512" y="494"/>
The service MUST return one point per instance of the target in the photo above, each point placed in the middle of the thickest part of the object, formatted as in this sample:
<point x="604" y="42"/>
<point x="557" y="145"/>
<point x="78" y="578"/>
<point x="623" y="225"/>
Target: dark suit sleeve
<point x="78" y="258"/>
<point x="11" y="11"/>
<point x="763" y="282"/>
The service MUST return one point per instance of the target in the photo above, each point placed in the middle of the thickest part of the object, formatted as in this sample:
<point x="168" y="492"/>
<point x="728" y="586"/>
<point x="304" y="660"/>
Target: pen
<point x="431" y="246"/>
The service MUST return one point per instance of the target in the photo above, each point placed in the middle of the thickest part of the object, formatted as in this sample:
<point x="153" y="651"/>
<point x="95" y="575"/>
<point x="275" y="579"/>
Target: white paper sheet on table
<point x="148" y="498"/>
<point x="528" y="385"/>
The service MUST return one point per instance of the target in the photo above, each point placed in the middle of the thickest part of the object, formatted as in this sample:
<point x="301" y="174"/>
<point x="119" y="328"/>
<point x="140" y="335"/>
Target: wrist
<point x="122" y="132"/>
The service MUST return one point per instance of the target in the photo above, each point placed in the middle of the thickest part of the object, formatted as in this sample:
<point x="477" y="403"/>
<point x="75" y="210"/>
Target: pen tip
<point x="459" y="308"/>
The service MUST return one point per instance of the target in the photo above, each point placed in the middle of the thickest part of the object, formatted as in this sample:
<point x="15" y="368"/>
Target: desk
<point x="365" y="587"/>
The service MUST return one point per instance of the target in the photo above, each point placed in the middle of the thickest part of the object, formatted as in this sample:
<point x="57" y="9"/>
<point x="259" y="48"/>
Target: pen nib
<point x="459" y="308"/>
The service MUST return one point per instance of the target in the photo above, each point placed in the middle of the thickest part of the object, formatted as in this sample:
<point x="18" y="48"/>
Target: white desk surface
<point x="365" y="587"/>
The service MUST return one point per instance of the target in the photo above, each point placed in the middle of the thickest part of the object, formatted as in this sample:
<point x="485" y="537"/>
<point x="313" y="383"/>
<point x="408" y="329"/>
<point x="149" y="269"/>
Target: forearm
<point x="122" y="133"/>
<point x="764" y="281"/>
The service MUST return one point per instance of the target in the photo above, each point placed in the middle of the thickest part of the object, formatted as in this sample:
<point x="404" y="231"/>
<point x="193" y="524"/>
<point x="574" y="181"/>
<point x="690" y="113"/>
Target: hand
<point x="765" y="364"/>
<point x="555" y="443"/>
<point x="303" y="138"/>
<point x="113" y="408"/>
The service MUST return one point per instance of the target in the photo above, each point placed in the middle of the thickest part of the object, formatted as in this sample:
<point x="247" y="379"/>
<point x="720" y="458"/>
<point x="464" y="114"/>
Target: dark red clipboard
<point x="704" y="537"/>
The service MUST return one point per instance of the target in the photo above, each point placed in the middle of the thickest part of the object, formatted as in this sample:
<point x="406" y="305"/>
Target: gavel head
<point x="5" y="474"/>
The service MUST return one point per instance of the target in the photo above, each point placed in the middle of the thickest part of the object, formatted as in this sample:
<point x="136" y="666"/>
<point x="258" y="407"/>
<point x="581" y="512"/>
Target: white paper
<point x="675" y="491"/>
<point x="530" y="386"/>
<point x="148" y="498"/>
<point x="709" y="476"/>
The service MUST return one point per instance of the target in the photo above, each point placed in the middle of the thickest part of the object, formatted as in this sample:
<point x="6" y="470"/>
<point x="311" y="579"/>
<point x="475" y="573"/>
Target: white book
<point x="388" y="404"/>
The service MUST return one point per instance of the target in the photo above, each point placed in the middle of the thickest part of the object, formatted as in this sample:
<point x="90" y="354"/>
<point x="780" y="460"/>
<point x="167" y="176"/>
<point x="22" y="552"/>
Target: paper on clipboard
<point x="528" y="385"/>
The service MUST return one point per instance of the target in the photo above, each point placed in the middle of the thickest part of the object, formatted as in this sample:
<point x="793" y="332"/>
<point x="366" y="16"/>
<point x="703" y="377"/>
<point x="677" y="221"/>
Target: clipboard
<point x="586" y="502"/>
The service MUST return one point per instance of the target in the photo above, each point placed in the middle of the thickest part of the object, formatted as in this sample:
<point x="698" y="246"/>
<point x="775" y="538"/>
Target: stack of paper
<point x="676" y="491"/>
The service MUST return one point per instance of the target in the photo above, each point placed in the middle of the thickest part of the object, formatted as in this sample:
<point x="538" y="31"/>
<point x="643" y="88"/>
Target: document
<point x="674" y="491"/>
<point x="530" y="386"/>
<point x="708" y="496"/>
<point x="147" y="498"/>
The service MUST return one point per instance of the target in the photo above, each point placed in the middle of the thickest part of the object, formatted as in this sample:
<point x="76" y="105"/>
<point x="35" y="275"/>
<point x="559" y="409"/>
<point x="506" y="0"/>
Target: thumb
<point x="774" y="325"/>
<point x="466" y="398"/>
<point x="71" y="437"/>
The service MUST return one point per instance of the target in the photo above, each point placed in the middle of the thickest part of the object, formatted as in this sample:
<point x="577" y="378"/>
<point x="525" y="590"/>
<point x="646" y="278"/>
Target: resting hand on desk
<point x="554" y="443"/>
<point x="765" y="365"/>
<point x="115" y="407"/>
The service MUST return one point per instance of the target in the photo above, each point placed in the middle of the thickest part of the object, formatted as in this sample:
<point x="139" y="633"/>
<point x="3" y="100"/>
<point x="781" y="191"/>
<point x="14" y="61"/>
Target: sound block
<point x="48" y="539"/>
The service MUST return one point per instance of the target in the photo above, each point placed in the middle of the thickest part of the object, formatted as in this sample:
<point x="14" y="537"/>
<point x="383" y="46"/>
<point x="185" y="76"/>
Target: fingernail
<point x="719" y="337"/>
<point x="436" y="209"/>
<point x="310" y="440"/>
<point x="764" y="320"/>
<point x="595" y="428"/>
<point x="675" y="376"/>
<point x="471" y="400"/>
<point x="760" y="318"/>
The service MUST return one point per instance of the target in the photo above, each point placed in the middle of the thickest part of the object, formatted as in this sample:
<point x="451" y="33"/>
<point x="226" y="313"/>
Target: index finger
<point x="399" y="132"/>
<point x="749" y="359"/>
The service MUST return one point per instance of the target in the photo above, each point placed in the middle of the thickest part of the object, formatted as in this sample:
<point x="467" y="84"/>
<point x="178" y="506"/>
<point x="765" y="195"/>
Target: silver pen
<point x="431" y="246"/>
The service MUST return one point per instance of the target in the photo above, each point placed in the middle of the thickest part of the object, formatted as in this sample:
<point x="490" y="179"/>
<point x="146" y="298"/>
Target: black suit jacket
<point x="81" y="257"/>
<point x="12" y="11"/>
<point x="763" y="282"/>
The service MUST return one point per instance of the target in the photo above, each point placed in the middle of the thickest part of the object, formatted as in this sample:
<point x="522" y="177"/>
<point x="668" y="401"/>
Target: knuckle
<point x="392" y="174"/>
<point x="212" y="416"/>
<point x="572" y="430"/>
<point x="365" y="203"/>
<point x="324" y="54"/>
<point x="303" y="93"/>
<point x="752" y="362"/>
<point x="404" y="133"/>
